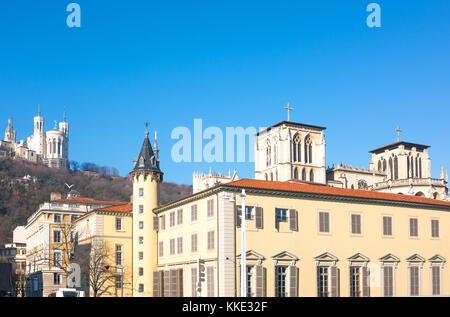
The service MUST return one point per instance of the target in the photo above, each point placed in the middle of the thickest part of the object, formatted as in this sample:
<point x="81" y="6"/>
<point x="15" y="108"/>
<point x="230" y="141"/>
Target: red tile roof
<point x="333" y="191"/>
<point x="89" y="201"/>
<point x="125" y="208"/>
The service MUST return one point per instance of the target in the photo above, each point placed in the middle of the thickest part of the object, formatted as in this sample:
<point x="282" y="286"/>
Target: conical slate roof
<point x="147" y="160"/>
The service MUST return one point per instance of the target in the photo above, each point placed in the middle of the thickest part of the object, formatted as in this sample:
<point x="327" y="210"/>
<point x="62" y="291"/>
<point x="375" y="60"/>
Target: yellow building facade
<point x="303" y="240"/>
<point x="105" y="245"/>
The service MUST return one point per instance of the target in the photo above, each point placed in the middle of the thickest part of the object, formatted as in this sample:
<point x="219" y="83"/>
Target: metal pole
<point x="122" y="280"/>
<point x="243" y="249"/>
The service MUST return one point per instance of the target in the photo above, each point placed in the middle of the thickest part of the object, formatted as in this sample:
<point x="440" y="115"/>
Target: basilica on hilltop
<point x="50" y="148"/>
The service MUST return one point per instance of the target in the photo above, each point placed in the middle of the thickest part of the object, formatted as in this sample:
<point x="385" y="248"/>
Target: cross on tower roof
<point x="288" y="108"/>
<point x="398" y="133"/>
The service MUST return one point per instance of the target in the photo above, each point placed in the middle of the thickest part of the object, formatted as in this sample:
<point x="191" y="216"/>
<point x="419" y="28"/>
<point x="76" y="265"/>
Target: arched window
<point x="275" y="152"/>
<point x="276" y="175"/>
<point x="296" y="148"/>
<point x="268" y="153"/>
<point x="379" y="166"/>
<point x="271" y="176"/>
<point x="265" y="175"/>
<point x="311" y="176"/>
<point x="417" y="167"/>
<point x="303" y="175"/>
<point x="420" y="167"/>
<point x="408" y="168"/>
<point x="384" y="165"/>
<point x="295" y="173"/>
<point x="396" y="167"/>
<point x="391" y="170"/>
<point x="308" y="150"/>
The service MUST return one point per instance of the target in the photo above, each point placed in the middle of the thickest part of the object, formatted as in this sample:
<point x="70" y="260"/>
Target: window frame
<point x="328" y="212"/>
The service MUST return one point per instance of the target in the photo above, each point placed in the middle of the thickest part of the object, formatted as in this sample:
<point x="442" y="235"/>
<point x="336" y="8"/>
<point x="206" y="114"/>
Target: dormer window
<point x="141" y="162"/>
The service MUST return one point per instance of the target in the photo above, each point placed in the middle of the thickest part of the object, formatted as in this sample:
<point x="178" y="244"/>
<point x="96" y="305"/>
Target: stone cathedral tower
<point x="290" y="150"/>
<point x="146" y="177"/>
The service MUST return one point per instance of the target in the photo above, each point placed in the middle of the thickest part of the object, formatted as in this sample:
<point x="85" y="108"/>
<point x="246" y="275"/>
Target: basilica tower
<point x="146" y="177"/>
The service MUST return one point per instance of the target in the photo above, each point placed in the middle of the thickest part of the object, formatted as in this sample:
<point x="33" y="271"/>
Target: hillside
<point x="24" y="185"/>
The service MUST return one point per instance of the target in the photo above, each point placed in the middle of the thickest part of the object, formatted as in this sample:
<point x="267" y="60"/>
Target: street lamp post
<point x="243" y="248"/>
<point x="121" y="278"/>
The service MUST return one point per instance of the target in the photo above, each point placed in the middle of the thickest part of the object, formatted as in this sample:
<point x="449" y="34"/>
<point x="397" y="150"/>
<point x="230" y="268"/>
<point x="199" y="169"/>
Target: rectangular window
<point x="172" y="219"/>
<point x="141" y="271"/>
<point x="356" y="224"/>
<point x="322" y="281"/>
<point x="172" y="246"/>
<point x="414" y="281"/>
<point x="387" y="226"/>
<point x="211" y="240"/>
<point x="141" y="256"/>
<point x="118" y="282"/>
<point x="161" y="249"/>
<point x="281" y="214"/>
<point x="435" y="228"/>
<point x="141" y="240"/>
<point x="141" y="209"/>
<point x="57" y="218"/>
<point x="194" y="213"/>
<point x="356" y="281"/>
<point x="210" y="209"/>
<point x="388" y="281"/>
<point x="119" y="224"/>
<point x="56" y="279"/>
<point x="56" y="236"/>
<point x="180" y="217"/>
<point x="210" y="281"/>
<point x="194" y="243"/>
<point x="180" y="245"/>
<point x="119" y="254"/>
<point x="249" y="280"/>
<point x="436" y="280"/>
<point x="141" y="225"/>
<point x="280" y="280"/>
<point x="413" y="227"/>
<point x="57" y="258"/>
<point x="141" y="288"/>
<point x="324" y="221"/>
<point x="141" y="192"/>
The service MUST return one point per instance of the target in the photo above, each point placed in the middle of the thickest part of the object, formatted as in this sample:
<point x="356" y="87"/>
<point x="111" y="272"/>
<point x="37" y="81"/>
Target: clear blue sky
<point x="231" y="63"/>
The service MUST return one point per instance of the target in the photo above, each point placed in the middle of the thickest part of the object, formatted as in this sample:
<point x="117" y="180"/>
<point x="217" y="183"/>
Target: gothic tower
<point x="10" y="133"/>
<point x="146" y="177"/>
<point x="38" y="139"/>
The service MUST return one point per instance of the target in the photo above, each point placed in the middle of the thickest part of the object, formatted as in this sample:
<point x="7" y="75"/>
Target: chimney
<point x="55" y="196"/>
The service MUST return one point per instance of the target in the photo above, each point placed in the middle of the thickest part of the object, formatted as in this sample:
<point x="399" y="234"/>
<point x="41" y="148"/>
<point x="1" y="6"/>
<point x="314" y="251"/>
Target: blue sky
<point x="231" y="63"/>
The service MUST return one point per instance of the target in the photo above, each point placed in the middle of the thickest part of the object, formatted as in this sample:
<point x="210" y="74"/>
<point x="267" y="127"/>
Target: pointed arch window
<point x="311" y="176"/>
<point x="308" y="150"/>
<point x="420" y="167"/>
<point x="297" y="148"/>
<point x="275" y="152"/>
<point x="295" y="173"/>
<point x="268" y="153"/>
<point x="391" y="170"/>
<point x="395" y="167"/>
<point x="303" y="175"/>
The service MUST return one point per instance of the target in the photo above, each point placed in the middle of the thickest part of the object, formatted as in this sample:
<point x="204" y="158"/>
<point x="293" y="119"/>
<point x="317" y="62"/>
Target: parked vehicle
<point x="67" y="292"/>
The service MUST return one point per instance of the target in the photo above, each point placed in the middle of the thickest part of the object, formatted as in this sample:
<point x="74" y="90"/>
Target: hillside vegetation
<point x="24" y="186"/>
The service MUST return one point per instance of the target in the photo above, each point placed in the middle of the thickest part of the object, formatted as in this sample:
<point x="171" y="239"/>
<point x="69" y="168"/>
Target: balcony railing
<point x="409" y="182"/>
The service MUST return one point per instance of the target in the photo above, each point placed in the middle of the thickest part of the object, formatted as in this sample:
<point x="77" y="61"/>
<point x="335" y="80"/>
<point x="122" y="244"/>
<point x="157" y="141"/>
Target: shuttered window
<point x="162" y="222"/>
<point x="413" y="227"/>
<point x="194" y="242"/>
<point x="322" y="281"/>
<point x="161" y="248"/>
<point x="166" y="276"/>
<point x="210" y="281"/>
<point x="180" y="245"/>
<point x="194" y="213"/>
<point x="293" y="281"/>
<point x="293" y="220"/>
<point x="194" y="282"/>
<point x="356" y="224"/>
<point x="260" y="281"/>
<point x="210" y="208"/>
<point x="180" y="217"/>
<point x="388" y="281"/>
<point x="156" y="285"/>
<point x="173" y="283"/>
<point x="435" y="228"/>
<point x="259" y="222"/>
<point x="324" y="221"/>
<point x="436" y="280"/>
<point x="414" y="280"/>
<point x="172" y="219"/>
<point x="172" y="246"/>
<point x="359" y="281"/>
<point x="387" y="226"/>
<point x="211" y="240"/>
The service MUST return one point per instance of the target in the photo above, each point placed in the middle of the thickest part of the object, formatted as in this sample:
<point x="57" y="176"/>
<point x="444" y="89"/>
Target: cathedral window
<point x="295" y="173"/>
<point x="396" y="167"/>
<point x="308" y="150"/>
<point x="420" y="167"/>
<point x="311" y="176"/>
<point x="417" y="167"/>
<point x="275" y="152"/>
<point x="297" y="148"/>
<point x="303" y="175"/>
<point x="379" y="166"/>
<point x="268" y="153"/>
<point x="391" y="170"/>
